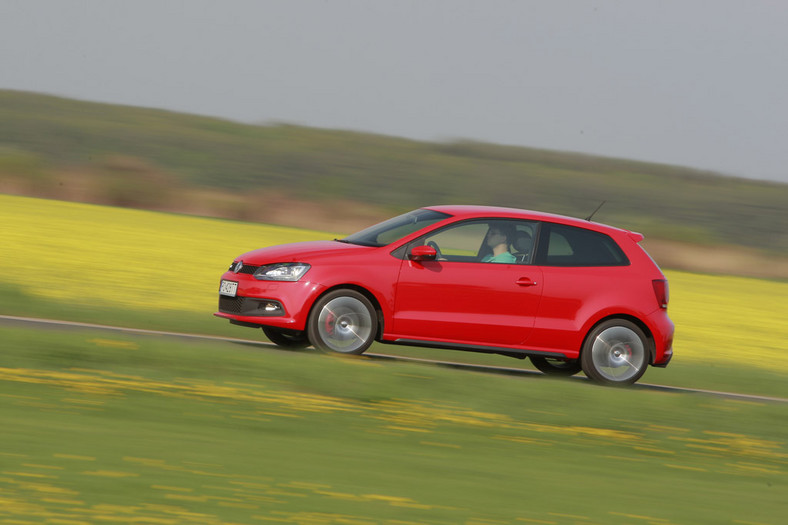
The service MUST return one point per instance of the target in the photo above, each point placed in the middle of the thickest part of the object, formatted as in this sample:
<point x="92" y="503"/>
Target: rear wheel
<point x="556" y="367"/>
<point x="343" y="321"/>
<point x="292" y="339"/>
<point x="615" y="353"/>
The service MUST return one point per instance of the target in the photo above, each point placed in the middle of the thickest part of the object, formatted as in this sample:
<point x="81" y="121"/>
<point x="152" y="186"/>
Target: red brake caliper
<point x="329" y="323"/>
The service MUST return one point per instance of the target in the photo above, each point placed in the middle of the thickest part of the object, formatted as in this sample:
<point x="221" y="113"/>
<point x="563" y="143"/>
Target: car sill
<point x="510" y="352"/>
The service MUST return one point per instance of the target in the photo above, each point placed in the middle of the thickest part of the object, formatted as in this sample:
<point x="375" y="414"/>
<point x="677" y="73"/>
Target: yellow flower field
<point x="74" y="252"/>
<point x="728" y="318"/>
<point x="79" y="253"/>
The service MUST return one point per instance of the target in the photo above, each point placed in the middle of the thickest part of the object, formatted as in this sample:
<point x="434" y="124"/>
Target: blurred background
<point x="342" y="181"/>
<point x="343" y="113"/>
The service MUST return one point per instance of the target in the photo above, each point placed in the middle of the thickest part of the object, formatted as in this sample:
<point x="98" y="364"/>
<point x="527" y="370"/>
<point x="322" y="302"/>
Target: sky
<point x="702" y="84"/>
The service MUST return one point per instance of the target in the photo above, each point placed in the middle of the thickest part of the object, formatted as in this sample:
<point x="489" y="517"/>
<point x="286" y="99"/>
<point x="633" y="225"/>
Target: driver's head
<point x="497" y="234"/>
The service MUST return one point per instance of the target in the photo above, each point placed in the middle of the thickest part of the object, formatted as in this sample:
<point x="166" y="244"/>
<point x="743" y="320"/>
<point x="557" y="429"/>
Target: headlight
<point x="281" y="272"/>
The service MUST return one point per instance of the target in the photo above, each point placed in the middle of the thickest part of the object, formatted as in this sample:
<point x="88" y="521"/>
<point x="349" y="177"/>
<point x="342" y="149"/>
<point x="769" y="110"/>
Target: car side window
<point x="571" y="246"/>
<point x="523" y="241"/>
<point x="487" y="240"/>
<point x="458" y="243"/>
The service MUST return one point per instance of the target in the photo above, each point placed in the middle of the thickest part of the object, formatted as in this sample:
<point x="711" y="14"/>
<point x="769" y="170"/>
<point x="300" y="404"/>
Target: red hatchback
<point x="570" y="294"/>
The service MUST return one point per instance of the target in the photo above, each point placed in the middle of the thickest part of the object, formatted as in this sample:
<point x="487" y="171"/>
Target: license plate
<point x="228" y="288"/>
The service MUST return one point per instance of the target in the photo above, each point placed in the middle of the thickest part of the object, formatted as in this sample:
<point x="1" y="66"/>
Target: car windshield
<point x="394" y="229"/>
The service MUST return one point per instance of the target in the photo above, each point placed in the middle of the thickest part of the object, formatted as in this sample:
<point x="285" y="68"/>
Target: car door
<point x="459" y="299"/>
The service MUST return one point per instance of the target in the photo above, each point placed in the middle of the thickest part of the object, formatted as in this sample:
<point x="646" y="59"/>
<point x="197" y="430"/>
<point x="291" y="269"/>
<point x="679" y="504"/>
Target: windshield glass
<point x="394" y="229"/>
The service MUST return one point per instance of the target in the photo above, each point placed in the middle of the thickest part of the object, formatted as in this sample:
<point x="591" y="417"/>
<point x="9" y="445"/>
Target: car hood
<point x="301" y="252"/>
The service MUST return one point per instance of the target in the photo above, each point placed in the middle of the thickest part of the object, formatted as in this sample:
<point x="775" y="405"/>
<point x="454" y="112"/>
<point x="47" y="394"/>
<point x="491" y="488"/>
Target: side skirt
<point x="509" y="352"/>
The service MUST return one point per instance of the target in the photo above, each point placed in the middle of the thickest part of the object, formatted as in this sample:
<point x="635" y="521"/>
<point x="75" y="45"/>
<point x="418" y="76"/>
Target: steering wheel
<point x="434" y="246"/>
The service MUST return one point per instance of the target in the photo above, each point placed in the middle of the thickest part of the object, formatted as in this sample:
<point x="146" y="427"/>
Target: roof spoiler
<point x="635" y="236"/>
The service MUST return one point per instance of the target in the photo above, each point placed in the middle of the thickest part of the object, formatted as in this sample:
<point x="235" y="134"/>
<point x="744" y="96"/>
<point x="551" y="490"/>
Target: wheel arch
<point x="363" y="291"/>
<point x="651" y="343"/>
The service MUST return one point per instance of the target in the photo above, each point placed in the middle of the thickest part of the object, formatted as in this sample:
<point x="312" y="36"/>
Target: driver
<point x="497" y="243"/>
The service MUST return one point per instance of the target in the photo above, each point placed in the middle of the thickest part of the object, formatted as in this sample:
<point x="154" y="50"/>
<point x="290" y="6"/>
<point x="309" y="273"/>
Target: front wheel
<point x="615" y="353"/>
<point x="343" y="321"/>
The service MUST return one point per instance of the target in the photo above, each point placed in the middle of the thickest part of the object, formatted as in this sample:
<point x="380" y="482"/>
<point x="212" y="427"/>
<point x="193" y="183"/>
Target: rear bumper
<point x="666" y="357"/>
<point x="662" y="330"/>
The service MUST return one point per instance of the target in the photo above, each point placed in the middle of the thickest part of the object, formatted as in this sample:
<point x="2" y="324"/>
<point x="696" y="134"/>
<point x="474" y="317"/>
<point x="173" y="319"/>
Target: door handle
<point x="525" y="281"/>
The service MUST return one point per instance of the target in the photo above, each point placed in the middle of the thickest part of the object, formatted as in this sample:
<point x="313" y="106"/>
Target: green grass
<point x="110" y="427"/>
<point x="15" y="302"/>
<point x="711" y="375"/>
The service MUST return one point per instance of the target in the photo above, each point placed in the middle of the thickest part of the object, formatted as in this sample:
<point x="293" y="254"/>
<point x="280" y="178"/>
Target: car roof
<point x="471" y="212"/>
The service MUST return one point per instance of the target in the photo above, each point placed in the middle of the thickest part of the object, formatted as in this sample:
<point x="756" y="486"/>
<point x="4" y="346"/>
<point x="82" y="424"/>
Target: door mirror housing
<point x="422" y="253"/>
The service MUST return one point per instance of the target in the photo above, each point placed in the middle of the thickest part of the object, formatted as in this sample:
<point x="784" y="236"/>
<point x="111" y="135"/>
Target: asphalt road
<point x="56" y="324"/>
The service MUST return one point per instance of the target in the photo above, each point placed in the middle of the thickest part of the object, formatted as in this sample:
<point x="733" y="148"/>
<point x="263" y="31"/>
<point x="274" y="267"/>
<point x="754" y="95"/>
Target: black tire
<point x="343" y="321"/>
<point x="615" y="352"/>
<point x="556" y="367"/>
<point x="292" y="339"/>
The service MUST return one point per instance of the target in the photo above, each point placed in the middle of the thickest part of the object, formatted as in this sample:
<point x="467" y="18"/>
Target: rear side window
<point x="563" y="245"/>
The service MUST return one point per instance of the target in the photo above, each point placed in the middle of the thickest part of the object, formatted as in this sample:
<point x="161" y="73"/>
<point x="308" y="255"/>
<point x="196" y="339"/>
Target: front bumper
<point x="270" y="303"/>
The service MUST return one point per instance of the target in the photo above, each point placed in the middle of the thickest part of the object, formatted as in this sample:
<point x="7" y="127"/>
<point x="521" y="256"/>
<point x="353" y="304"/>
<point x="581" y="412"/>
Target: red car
<point x="569" y="294"/>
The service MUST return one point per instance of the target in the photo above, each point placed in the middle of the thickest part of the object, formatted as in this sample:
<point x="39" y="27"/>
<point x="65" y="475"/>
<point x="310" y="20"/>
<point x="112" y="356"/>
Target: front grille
<point x="244" y="269"/>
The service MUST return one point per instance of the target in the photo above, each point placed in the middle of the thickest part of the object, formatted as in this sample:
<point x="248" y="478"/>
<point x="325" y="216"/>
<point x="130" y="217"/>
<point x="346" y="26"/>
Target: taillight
<point x="662" y="292"/>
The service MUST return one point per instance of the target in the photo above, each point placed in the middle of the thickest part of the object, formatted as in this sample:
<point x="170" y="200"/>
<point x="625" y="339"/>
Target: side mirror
<point x="422" y="253"/>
